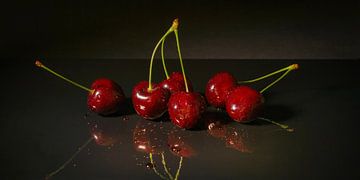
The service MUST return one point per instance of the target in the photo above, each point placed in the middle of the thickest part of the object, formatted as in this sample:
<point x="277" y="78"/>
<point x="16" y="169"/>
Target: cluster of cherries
<point x="175" y="95"/>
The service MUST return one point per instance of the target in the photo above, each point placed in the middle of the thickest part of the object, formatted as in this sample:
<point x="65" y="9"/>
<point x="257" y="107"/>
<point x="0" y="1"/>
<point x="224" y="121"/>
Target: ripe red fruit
<point x="104" y="82"/>
<point x="243" y="103"/>
<point x="218" y="88"/>
<point x="175" y="83"/>
<point x="186" y="108"/>
<point x="149" y="104"/>
<point x="106" y="97"/>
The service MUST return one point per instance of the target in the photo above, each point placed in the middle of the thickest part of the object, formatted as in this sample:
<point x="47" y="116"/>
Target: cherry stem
<point x="180" y="58"/>
<point x="163" y="59"/>
<point x="165" y="166"/>
<point x="274" y="82"/>
<point x="39" y="64"/>
<point x="154" y="168"/>
<point x="286" y="127"/>
<point x="162" y="39"/>
<point x="179" y="168"/>
<point x="69" y="160"/>
<point x="291" y="67"/>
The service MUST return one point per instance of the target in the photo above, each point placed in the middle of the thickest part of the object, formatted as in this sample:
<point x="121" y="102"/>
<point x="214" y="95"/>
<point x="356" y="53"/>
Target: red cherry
<point x="218" y="88"/>
<point x="106" y="97"/>
<point x="186" y="108"/>
<point x="104" y="82"/>
<point x="243" y="103"/>
<point x="175" y="83"/>
<point x="149" y="104"/>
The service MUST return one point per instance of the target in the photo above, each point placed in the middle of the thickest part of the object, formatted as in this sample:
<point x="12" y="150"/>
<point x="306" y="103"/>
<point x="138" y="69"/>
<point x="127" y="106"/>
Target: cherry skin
<point x="243" y="103"/>
<point x="104" y="82"/>
<point x="106" y="97"/>
<point x="218" y="88"/>
<point x="185" y="109"/>
<point x="149" y="104"/>
<point x="175" y="83"/>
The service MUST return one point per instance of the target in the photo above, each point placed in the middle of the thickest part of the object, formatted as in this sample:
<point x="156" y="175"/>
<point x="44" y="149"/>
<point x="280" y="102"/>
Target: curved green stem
<point x="179" y="168"/>
<point x="286" y="127"/>
<point x="291" y="67"/>
<point x="277" y="80"/>
<point x="163" y="59"/>
<point x="39" y="64"/>
<point x="180" y="58"/>
<point x="165" y="166"/>
<point x="69" y="160"/>
<point x="153" y="55"/>
<point x="154" y="168"/>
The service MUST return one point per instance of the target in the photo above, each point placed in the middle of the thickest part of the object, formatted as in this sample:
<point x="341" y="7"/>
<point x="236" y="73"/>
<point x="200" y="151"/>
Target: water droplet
<point x="125" y="118"/>
<point x="175" y="149"/>
<point x="150" y="165"/>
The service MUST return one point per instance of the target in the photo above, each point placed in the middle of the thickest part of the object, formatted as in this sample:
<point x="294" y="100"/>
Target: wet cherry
<point x="243" y="103"/>
<point x="218" y="88"/>
<point x="105" y="96"/>
<point x="149" y="104"/>
<point x="185" y="109"/>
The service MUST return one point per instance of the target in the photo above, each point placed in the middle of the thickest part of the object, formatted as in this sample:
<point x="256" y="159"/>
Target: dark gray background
<point x="209" y="29"/>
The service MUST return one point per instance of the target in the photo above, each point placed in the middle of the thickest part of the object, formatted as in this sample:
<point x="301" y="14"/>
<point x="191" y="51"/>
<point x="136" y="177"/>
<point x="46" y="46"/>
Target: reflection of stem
<point x="69" y="160"/>
<point x="165" y="167"/>
<point x="286" y="127"/>
<point x="154" y="168"/>
<point x="179" y="168"/>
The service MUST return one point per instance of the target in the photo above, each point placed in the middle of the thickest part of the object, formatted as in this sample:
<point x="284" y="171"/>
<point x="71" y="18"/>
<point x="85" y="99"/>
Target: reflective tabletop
<point x="46" y="123"/>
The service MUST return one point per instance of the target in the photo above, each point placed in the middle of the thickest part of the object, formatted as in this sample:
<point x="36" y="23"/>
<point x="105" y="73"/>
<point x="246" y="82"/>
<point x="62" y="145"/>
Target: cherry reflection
<point x="104" y="132"/>
<point x="155" y="140"/>
<point x="149" y="137"/>
<point x="219" y="126"/>
<point x="180" y="144"/>
<point x="107" y="132"/>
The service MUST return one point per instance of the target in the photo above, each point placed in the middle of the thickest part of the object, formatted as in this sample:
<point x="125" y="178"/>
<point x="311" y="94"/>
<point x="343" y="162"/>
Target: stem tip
<point x="175" y="23"/>
<point x="294" y="66"/>
<point x="38" y="63"/>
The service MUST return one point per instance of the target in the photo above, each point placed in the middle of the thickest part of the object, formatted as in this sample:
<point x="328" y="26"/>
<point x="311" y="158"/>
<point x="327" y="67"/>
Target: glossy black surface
<point x="43" y="123"/>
